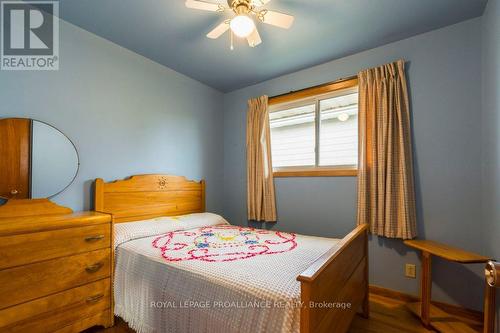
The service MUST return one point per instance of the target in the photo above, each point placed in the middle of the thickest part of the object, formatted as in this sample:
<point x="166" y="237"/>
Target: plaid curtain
<point x="386" y="194"/>
<point x="261" y="202"/>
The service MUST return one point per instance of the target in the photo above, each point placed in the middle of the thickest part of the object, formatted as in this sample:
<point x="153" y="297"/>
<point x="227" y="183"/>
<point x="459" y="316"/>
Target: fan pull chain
<point x="232" y="41"/>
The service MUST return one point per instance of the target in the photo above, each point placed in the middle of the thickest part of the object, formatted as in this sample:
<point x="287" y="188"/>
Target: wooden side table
<point x="424" y="309"/>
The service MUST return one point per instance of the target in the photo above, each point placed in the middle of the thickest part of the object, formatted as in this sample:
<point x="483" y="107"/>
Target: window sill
<point x="316" y="172"/>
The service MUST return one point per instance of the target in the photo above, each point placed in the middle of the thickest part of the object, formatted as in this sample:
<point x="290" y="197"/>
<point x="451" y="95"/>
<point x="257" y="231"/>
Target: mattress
<point x="198" y="273"/>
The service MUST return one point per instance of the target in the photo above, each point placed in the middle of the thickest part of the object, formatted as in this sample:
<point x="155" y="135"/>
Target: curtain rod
<point x="317" y="86"/>
<point x="324" y="84"/>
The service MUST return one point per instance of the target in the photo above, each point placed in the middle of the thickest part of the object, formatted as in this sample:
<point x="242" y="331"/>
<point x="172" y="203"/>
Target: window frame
<point x="309" y="96"/>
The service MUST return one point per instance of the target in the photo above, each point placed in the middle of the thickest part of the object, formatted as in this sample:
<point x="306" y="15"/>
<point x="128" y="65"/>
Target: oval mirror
<point x="36" y="159"/>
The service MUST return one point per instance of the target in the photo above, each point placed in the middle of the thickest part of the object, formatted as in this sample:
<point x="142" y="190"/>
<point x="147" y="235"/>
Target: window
<point x="314" y="132"/>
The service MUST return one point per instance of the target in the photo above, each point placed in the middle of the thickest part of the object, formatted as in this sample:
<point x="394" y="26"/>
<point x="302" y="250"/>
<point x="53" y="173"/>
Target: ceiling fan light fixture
<point x="242" y="25"/>
<point x="244" y="15"/>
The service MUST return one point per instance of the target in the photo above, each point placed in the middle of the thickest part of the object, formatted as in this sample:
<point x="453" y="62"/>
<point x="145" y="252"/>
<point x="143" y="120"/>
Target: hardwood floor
<point x="387" y="315"/>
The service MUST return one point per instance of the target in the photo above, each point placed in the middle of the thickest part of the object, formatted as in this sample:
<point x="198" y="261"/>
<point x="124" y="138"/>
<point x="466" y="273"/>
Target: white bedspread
<point x="197" y="273"/>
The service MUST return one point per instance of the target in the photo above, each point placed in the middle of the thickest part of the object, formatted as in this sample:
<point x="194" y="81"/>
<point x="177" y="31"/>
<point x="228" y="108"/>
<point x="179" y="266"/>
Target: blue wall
<point x="125" y="113"/>
<point x="491" y="128"/>
<point x="444" y="72"/>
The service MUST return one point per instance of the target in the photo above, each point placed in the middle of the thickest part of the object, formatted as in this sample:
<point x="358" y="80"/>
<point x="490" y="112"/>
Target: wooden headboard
<point x="148" y="196"/>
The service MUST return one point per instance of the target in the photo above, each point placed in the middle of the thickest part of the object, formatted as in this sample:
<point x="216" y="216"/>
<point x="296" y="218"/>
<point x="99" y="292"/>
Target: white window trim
<point x="316" y="170"/>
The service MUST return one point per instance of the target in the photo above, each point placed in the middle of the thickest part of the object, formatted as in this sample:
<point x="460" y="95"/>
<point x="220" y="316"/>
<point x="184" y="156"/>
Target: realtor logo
<point x="29" y="35"/>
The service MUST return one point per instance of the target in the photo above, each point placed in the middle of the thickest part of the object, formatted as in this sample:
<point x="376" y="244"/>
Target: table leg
<point x="425" y="288"/>
<point x="489" y="309"/>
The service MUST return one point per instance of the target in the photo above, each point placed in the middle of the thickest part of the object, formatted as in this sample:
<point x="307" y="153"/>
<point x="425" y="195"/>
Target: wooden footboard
<point x="335" y="286"/>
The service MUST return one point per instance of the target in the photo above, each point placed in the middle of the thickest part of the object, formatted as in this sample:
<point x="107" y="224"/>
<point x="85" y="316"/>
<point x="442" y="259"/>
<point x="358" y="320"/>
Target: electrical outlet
<point x="411" y="271"/>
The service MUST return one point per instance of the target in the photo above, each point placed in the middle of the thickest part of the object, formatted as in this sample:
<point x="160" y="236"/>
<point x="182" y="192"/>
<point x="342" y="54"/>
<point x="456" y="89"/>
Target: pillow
<point x="197" y="220"/>
<point x="124" y="232"/>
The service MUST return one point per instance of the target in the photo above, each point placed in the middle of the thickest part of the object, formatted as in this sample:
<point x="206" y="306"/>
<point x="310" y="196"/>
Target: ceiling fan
<point x="242" y="24"/>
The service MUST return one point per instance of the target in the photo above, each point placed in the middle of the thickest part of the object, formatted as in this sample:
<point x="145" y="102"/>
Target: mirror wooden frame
<point x="3" y="200"/>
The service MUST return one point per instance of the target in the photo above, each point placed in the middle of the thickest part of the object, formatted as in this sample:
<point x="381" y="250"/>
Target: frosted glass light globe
<point x="343" y="117"/>
<point x="242" y="26"/>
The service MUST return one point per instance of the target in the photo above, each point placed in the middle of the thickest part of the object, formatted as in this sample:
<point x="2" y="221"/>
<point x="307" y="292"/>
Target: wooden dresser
<point x="55" y="268"/>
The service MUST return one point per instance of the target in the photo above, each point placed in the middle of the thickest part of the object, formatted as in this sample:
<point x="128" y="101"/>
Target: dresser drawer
<point x="24" y="249"/>
<point x="57" y="311"/>
<point x="25" y="283"/>
<point x="100" y="319"/>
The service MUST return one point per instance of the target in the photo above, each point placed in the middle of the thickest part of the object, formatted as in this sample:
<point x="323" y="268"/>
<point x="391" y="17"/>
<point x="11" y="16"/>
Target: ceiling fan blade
<point x="258" y="3"/>
<point x="203" y="5"/>
<point x="277" y="19"/>
<point x="219" y="30"/>
<point x="254" y="38"/>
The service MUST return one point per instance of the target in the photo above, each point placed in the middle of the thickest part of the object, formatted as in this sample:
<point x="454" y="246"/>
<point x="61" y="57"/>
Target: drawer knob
<point x="94" y="299"/>
<point x="96" y="238"/>
<point x="94" y="268"/>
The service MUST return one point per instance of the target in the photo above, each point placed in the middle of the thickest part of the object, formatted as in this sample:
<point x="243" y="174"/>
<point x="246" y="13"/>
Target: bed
<point x="180" y="269"/>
